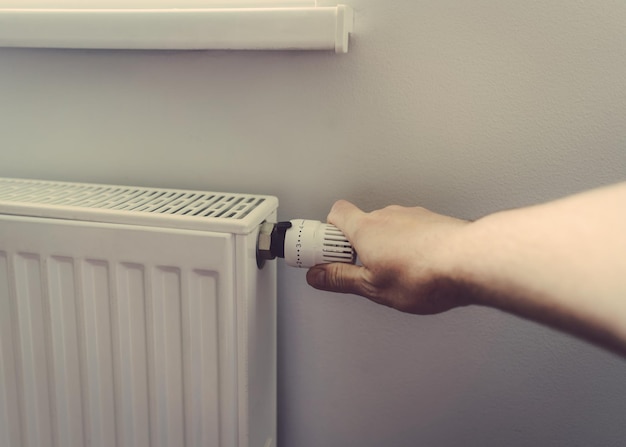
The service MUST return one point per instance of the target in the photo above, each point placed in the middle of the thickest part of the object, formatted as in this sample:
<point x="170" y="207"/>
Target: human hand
<point x="405" y="255"/>
<point x="560" y="263"/>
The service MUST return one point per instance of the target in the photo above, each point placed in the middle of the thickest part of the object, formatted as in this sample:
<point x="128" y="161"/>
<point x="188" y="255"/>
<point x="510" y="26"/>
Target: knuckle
<point x="394" y="208"/>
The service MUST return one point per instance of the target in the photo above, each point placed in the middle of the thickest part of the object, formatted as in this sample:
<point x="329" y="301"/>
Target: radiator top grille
<point x="135" y="205"/>
<point x="162" y="201"/>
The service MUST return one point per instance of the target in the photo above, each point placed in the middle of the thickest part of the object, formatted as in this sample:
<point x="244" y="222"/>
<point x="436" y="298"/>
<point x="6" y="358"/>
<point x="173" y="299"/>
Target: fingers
<point x="338" y="277"/>
<point x="345" y="216"/>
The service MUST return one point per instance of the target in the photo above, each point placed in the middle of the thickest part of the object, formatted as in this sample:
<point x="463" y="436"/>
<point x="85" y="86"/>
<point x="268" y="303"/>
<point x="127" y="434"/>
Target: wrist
<point x="452" y="267"/>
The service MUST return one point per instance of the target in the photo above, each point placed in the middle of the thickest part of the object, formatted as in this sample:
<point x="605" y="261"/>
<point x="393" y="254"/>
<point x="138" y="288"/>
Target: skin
<point x="561" y="263"/>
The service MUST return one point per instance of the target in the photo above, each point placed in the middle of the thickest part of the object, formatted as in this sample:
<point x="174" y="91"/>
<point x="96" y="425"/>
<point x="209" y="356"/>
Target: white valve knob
<point x="310" y="242"/>
<point x="303" y="243"/>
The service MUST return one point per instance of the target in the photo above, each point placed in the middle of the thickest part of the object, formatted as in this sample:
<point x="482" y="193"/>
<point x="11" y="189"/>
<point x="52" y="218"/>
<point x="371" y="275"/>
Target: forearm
<point x="561" y="263"/>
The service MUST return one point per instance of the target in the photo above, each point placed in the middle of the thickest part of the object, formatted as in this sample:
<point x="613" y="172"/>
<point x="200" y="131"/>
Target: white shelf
<point x="282" y="28"/>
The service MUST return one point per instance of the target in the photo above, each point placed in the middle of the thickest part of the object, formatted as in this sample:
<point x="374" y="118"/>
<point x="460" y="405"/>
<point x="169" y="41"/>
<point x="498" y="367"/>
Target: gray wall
<point x="463" y="107"/>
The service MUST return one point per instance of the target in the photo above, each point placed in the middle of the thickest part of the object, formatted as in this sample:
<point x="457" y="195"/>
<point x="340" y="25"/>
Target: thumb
<point x="337" y="277"/>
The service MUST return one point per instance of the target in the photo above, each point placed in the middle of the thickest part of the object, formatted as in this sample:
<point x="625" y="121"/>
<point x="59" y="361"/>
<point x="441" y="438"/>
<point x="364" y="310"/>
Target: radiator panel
<point x="111" y="343"/>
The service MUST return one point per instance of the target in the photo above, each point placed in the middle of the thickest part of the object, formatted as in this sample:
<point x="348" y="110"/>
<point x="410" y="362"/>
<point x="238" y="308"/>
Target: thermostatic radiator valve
<point x="303" y="243"/>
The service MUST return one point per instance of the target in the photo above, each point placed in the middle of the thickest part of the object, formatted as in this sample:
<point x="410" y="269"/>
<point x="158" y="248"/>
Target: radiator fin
<point x="131" y="344"/>
<point x="31" y="318"/>
<point x="65" y="347"/>
<point x="200" y="312"/>
<point x="99" y="361"/>
<point x="10" y="425"/>
<point x="167" y="358"/>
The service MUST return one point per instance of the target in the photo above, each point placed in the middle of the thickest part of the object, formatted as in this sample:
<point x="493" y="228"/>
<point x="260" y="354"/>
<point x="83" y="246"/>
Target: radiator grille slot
<point x="126" y="204"/>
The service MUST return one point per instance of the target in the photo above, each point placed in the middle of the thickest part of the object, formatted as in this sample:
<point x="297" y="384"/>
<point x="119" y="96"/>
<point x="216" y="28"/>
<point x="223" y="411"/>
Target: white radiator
<point x="134" y="317"/>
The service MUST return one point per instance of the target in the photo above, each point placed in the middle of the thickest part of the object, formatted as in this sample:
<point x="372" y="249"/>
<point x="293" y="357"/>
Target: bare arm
<point x="562" y="263"/>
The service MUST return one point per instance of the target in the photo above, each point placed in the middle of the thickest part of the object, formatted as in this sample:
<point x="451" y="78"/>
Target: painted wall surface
<point x="462" y="107"/>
